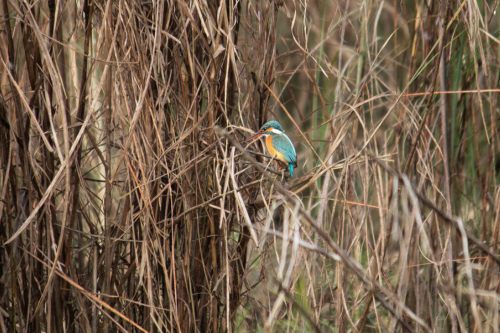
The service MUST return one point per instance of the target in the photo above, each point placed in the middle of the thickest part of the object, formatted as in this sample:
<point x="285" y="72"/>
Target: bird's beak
<point x="255" y="136"/>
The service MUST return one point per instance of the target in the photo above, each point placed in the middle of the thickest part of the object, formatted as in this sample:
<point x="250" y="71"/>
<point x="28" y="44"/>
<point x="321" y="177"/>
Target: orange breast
<point x="273" y="152"/>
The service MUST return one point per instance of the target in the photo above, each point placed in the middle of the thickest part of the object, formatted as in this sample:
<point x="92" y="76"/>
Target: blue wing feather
<point x="283" y="144"/>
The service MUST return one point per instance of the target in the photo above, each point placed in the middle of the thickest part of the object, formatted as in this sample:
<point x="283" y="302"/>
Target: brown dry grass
<point x="129" y="201"/>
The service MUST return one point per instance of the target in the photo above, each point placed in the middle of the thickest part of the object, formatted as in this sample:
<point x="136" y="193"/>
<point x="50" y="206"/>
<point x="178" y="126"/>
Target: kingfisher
<point x="278" y="144"/>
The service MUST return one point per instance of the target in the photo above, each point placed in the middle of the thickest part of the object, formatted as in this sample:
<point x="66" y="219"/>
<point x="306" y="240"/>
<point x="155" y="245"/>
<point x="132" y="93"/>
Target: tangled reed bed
<point x="129" y="200"/>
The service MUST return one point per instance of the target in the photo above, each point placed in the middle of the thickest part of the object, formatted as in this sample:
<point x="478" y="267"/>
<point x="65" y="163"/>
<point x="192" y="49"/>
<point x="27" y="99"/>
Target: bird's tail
<point x="290" y="168"/>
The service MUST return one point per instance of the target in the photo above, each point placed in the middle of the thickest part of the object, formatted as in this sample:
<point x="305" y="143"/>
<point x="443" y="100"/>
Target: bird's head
<point x="269" y="128"/>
